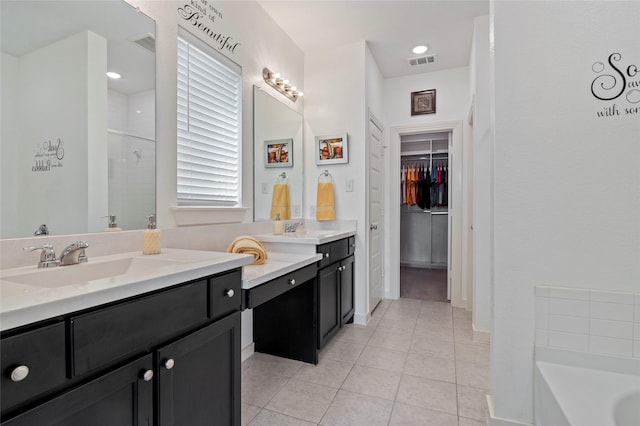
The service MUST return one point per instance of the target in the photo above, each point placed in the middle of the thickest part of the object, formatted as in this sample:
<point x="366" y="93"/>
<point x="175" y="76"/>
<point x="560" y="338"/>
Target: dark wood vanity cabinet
<point x="120" y="397"/>
<point x="335" y="287"/>
<point x="199" y="377"/>
<point x="167" y="358"/>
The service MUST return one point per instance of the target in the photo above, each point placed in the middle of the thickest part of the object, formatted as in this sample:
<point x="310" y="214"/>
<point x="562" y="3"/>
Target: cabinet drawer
<point x="276" y="287"/>
<point x="121" y="397"/>
<point x="351" y="245"/>
<point x="42" y="351"/>
<point x="116" y="332"/>
<point x="226" y="293"/>
<point x="340" y="249"/>
<point x="335" y="251"/>
<point x="327" y="259"/>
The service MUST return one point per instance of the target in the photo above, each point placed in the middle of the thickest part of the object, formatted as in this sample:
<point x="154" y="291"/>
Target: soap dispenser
<point x="151" y="237"/>
<point x="113" y="225"/>
<point x="278" y="225"/>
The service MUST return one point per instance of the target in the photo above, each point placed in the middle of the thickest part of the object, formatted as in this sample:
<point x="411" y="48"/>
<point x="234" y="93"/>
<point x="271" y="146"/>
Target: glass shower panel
<point x="131" y="179"/>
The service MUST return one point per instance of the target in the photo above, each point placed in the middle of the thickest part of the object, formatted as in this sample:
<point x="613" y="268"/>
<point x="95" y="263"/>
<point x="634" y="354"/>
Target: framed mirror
<point x="76" y="145"/>
<point x="277" y="157"/>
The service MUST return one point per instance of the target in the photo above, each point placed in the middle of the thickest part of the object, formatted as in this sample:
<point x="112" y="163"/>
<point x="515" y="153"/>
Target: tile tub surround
<point x="438" y="377"/>
<point x="590" y="321"/>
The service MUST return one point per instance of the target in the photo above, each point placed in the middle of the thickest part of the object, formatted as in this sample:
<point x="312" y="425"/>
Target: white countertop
<point x="27" y="294"/>
<point x="306" y="237"/>
<point x="276" y="265"/>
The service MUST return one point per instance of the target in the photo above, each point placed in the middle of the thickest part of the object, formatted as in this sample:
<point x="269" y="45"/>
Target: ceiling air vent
<point x="147" y="41"/>
<point x="421" y="60"/>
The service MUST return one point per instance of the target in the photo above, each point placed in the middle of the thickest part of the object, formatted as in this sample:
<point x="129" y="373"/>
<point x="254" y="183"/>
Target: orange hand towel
<point x="245" y="244"/>
<point x="280" y="202"/>
<point x="325" y="205"/>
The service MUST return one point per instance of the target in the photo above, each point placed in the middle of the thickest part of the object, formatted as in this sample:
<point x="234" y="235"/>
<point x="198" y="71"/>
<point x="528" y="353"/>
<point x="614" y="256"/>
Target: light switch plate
<point x="265" y="188"/>
<point x="349" y="185"/>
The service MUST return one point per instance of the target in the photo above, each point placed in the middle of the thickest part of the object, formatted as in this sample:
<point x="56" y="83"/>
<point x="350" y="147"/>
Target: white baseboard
<point x="481" y="336"/>
<point x="360" y="319"/>
<point x="499" y="421"/>
<point x="247" y="351"/>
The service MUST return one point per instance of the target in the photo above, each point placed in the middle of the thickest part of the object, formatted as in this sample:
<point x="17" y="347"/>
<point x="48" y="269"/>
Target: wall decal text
<point x="201" y="14"/>
<point x="617" y="81"/>
<point x="48" y="156"/>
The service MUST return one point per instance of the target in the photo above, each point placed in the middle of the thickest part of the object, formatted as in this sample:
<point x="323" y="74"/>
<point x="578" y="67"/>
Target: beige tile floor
<point x="414" y="364"/>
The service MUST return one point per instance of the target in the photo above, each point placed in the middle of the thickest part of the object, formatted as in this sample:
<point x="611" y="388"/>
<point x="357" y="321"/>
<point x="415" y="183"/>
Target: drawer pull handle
<point x="292" y="281"/>
<point x="229" y="293"/>
<point x="342" y="268"/>
<point x="19" y="373"/>
<point x="147" y="375"/>
<point x="168" y="364"/>
<point x="326" y="255"/>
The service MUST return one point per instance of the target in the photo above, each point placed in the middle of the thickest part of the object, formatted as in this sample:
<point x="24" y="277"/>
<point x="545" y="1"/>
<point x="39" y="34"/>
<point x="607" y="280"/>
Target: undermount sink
<point x="91" y="271"/>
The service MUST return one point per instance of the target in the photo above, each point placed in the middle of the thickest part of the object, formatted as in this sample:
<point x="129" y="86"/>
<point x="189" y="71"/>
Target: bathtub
<point x="576" y="389"/>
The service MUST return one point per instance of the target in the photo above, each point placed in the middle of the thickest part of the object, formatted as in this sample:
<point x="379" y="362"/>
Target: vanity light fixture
<point x="281" y="84"/>
<point x="113" y="75"/>
<point x="418" y="50"/>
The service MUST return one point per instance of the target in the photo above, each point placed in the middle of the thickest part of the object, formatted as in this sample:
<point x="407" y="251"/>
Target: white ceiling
<point x="391" y="28"/>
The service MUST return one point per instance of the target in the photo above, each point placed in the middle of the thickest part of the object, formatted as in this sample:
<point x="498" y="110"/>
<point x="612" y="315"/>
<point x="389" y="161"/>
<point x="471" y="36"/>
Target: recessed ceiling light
<point x="113" y="75"/>
<point x="420" y="49"/>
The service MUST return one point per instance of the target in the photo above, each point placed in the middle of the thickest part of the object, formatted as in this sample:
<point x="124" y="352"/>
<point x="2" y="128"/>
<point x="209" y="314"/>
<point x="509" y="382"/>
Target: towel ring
<point x="325" y="177"/>
<point x="282" y="178"/>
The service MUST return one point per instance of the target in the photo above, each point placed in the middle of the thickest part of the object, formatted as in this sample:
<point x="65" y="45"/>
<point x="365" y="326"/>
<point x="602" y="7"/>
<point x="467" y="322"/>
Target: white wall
<point x="482" y="177"/>
<point x="452" y="105"/>
<point x="567" y="183"/>
<point x="335" y="104"/>
<point x="262" y="44"/>
<point x="9" y="151"/>
<point x="62" y="94"/>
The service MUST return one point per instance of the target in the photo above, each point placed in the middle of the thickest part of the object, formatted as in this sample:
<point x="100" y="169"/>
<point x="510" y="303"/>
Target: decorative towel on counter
<point x="280" y="202"/>
<point x="245" y="244"/>
<point x="325" y="205"/>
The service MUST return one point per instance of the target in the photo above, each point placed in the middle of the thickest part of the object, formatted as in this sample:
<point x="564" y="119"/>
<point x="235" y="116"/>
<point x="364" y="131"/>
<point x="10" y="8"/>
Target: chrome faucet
<point x="74" y="253"/>
<point x="47" y="257"/>
<point x="292" y="226"/>
<point x="42" y="230"/>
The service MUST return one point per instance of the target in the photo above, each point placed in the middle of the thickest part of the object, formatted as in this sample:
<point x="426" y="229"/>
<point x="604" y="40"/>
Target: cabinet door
<point x="328" y="302"/>
<point x="41" y="353"/>
<point x="347" y="306"/>
<point x="122" y="397"/>
<point x="199" y="377"/>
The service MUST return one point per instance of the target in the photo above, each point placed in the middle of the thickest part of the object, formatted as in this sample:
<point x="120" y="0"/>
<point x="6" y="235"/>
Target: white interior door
<point x="376" y="282"/>
<point x="450" y="220"/>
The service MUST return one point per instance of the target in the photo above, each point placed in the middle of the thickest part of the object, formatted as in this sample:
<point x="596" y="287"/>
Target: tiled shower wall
<point x="594" y="321"/>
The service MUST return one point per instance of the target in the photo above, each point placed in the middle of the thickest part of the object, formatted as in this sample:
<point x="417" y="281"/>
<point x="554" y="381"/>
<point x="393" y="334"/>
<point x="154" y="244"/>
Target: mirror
<point x="277" y="136"/>
<point x="75" y="145"/>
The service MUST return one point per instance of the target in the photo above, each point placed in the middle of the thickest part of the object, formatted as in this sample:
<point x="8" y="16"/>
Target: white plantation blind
<point x="209" y="127"/>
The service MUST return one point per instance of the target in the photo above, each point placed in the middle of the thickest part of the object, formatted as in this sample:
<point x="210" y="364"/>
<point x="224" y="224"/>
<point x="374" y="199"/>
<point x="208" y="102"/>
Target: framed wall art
<point x="423" y="102"/>
<point x="332" y="149"/>
<point x="278" y="153"/>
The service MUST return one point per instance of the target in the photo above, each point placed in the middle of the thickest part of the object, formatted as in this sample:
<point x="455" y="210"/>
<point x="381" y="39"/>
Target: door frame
<point x="392" y="211"/>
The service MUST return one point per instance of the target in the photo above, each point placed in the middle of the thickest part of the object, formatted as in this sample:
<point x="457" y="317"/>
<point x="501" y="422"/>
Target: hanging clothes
<point x="426" y="189"/>
<point x="445" y="193"/>
<point x="434" y="186"/>
<point x="420" y="200"/>
<point x="403" y="185"/>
